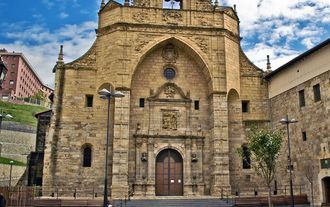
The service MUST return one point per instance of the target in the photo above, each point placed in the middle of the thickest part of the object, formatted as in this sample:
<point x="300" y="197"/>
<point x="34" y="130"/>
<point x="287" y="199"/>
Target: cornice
<point x="175" y="29"/>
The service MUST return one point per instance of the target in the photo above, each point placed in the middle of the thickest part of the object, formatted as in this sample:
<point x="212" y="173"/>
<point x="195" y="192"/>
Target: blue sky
<point x="281" y="29"/>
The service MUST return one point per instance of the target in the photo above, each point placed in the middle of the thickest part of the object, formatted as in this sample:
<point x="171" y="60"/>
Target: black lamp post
<point x="10" y="172"/>
<point x="105" y="94"/>
<point x="288" y="121"/>
<point x="3" y="71"/>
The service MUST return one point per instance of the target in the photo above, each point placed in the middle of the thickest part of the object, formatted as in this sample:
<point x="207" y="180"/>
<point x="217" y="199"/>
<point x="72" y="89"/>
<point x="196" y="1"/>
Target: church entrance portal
<point x="326" y="185"/>
<point x="169" y="173"/>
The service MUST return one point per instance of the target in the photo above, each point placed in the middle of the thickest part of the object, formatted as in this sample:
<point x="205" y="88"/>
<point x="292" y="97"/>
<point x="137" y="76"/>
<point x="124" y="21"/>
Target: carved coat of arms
<point x="170" y="120"/>
<point x="169" y="53"/>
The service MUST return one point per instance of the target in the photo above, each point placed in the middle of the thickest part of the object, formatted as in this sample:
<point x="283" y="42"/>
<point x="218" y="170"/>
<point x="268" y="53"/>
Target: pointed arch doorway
<point x="169" y="173"/>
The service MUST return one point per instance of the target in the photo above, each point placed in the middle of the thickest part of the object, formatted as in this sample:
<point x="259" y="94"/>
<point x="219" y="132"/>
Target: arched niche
<point x="181" y="44"/>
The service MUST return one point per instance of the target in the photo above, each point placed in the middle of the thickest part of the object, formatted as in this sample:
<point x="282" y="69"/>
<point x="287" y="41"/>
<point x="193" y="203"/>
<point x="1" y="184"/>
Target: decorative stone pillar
<point x="188" y="168"/>
<point x="119" y="188"/>
<point x="139" y="167"/>
<point x="151" y="168"/>
<point x="200" y="170"/>
<point x="220" y="181"/>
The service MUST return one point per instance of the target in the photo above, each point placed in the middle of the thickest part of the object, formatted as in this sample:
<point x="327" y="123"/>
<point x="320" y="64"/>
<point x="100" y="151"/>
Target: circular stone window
<point x="169" y="73"/>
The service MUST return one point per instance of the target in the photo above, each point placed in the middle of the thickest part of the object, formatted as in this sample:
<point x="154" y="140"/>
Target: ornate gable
<point x="169" y="92"/>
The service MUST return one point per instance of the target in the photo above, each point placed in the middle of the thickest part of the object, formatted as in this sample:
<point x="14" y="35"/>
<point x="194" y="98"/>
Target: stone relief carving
<point x="169" y="53"/>
<point x="172" y="17"/>
<point x="204" y="20"/>
<point x="202" y="43"/>
<point x="170" y="120"/>
<point x="169" y="91"/>
<point x="142" y="40"/>
<point x="203" y="5"/>
<point x="141" y="16"/>
<point x="142" y="3"/>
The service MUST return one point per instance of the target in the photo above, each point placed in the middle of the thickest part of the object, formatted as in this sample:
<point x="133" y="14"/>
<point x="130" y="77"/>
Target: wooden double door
<point x="169" y="173"/>
<point x="326" y="185"/>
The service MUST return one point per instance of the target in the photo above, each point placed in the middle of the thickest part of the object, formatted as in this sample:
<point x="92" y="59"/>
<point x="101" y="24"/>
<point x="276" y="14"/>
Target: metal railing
<point x="18" y="196"/>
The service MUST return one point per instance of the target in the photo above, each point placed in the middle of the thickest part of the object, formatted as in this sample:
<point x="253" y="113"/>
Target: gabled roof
<point x="43" y="112"/>
<point x="298" y="58"/>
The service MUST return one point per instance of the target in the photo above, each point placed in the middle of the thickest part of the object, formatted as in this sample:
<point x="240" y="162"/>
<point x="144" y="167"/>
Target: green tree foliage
<point x="264" y="147"/>
<point x="39" y="96"/>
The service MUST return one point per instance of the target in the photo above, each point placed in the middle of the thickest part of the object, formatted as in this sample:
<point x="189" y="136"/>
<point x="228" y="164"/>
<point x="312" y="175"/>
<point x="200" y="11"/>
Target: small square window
<point x="317" y="92"/>
<point x="141" y="103"/>
<point x="11" y="82"/>
<point x="290" y="166"/>
<point x="302" y="98"/>
<point x="304" y="136"/>
<point x="196" y="105"/>
<point x="89" y="100"/>
<point x="12" y="73"/>
<point x="245" y="106"/>
<point x="12" y="66"/>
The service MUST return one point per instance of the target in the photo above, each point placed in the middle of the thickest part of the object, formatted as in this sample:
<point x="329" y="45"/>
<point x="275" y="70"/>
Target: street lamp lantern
<point x="3" y="71"/>
<point x="2" y="117"/>
<point x="288" y="121"/>
<point x="106" y="94"/>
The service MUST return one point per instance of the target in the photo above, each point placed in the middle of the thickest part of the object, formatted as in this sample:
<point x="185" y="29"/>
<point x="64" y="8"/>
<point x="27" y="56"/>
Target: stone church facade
<point x="176" y="130"/>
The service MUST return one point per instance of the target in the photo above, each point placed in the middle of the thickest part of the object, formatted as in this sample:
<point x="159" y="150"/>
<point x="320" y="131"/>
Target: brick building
<point x="190" y="96"/>
<point x="21" y="80"/>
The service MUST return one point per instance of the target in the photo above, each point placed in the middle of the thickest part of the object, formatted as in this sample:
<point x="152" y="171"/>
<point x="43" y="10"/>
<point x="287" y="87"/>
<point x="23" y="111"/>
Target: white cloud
<point x="279" y="28"/>
<point x="278" y="55"/>
<point x="76" y="39"/>
<point x="63" y="15"/>
<point x="48" y="3"/>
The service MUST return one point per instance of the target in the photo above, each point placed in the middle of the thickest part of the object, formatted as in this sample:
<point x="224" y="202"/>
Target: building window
<point x="246" y="157"/>
<point x="12" y="73"/>
<point x="169" y="73"/>
<point x="141" y="104"/>
<point x="317" y="92"/>
<point x="172" y="4"/>
<point x="302" y="98"/>
<point x="304" y="136"/>
<point x="89" y="100"/>
<point x="196" y="105"/>
<point x="87" y="156"/>
<point x="11" y="82"/>
<point x="245" y="106"/>
<point x="12" y="66"/>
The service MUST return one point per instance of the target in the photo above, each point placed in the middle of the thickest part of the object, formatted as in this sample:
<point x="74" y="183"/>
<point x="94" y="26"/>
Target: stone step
<point x="173" y="203"/>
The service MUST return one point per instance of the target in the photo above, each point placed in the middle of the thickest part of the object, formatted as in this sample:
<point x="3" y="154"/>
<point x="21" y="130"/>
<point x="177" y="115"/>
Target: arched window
<point x="246" y="157"/>
<point x="87" y="156"/>
<point x="172" y="4"/>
